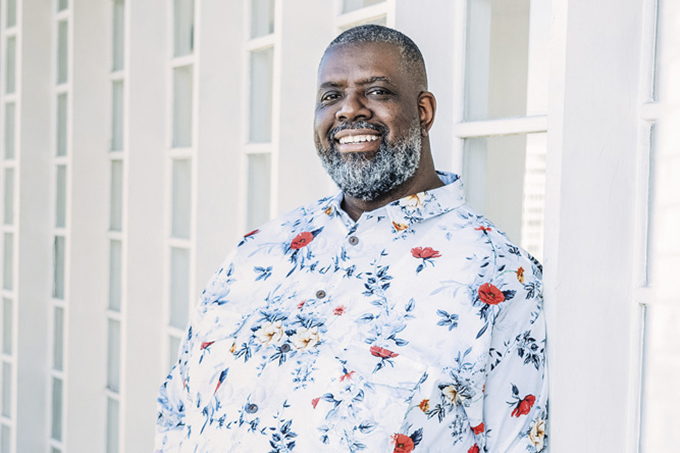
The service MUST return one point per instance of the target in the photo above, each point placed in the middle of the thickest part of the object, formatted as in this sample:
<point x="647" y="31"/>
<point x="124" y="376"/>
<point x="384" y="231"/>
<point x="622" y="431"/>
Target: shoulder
<point x="300" y="219"/>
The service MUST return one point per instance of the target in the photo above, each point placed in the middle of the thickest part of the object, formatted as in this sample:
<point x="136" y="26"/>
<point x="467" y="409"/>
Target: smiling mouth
<point x="357" y="140"/>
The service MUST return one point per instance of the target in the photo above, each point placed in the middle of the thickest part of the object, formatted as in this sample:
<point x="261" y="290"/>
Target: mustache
<point x="382" y="130"/>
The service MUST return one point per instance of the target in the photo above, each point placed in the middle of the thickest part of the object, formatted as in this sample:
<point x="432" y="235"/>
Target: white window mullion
<point x="61" y="186"/>
<point x="116" y="237"/>
<point x="181" y="171"/>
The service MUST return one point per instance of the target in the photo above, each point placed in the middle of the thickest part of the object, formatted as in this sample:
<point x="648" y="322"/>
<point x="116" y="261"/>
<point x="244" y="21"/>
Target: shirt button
<point x="285" y="347"/>
<point x="320" y="294"/>
<point x="251" y="408"/>
<point x="353" y="240"/>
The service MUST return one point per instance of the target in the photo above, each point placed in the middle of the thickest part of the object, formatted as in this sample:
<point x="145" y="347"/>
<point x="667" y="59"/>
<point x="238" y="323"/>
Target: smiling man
<point x="388" y="318"/>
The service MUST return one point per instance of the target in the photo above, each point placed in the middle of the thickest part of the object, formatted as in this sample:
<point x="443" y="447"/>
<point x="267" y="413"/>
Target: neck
<point x="425" y="178"/>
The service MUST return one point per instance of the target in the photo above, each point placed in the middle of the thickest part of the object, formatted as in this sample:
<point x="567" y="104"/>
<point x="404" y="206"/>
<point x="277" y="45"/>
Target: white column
<point x="145" y="122"/>
<point x="589" y="218"/>
<point x="219" y="155"/>
<point x="89" y="220"/>
<point x="34" y="223"/>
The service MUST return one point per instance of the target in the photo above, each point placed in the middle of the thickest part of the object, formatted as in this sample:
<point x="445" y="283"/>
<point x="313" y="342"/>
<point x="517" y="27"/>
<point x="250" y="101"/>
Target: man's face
<point x="367" y="128"/>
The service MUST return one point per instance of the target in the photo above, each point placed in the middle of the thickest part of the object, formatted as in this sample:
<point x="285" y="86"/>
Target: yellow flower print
<point x="306" y="339"/>
<point x="537" y="433"/>
<point x="270" y="333"/>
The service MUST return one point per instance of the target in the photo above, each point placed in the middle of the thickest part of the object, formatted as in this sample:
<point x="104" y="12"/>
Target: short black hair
<point x="409" y="51"/>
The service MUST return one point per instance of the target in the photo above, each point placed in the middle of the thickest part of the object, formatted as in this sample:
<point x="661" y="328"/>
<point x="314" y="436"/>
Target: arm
<point x="516" y="388"/>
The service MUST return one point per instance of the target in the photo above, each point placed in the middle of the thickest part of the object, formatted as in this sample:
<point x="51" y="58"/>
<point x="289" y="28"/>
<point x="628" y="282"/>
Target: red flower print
<point x="315" y="401"/>
<point x="382" y="352"/>
<point x="520" y="274"/>
<point x="399" y="226"/>
<point x="479" y="429"/>
<point x="491" y="295"/>
<point x="474" y="449"/>
<point x="346" y="376"/>
<point x="301" y="304"/>
<point x="424" y="405"/>
<point x="425" y="253"/>
<point x="302" y="240"/>
<point x="339" y="310"/>
<point x="205" y="344"/>
<point x="524" y="406"/>
<point x="251" y="233"/>
<point x="483" y="228"/>
<point x="402" y="443"/>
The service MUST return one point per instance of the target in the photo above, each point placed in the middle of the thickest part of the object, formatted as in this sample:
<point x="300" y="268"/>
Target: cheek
<point x="323" y="122"/>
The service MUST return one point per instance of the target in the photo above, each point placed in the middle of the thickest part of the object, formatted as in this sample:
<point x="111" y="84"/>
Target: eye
<point x="378" y="91"/>
<point x="329" y="96"/>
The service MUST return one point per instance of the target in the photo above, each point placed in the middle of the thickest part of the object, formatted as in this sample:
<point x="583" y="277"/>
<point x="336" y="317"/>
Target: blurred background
<point x="141" y="139"/>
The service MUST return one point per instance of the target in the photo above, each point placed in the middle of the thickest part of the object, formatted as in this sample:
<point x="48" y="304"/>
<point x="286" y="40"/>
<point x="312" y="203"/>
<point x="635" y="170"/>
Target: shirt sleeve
<point x="515" y="407"/>
<point x="172" y="401"/>
<point x="173" y="396"/>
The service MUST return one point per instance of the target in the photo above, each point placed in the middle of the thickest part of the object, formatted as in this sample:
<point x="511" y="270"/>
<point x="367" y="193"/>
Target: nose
<point x="353" y="108"/>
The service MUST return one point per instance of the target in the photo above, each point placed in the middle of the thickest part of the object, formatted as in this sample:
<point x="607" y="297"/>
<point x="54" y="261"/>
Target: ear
<point x="427" y="106"/>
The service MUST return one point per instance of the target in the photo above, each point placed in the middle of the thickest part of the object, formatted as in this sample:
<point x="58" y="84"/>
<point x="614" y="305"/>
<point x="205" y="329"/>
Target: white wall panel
<point x="589" y="216"/>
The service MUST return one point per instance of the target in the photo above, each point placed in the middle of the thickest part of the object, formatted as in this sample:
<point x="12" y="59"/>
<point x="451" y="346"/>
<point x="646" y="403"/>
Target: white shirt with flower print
<point x="418" y="328"/>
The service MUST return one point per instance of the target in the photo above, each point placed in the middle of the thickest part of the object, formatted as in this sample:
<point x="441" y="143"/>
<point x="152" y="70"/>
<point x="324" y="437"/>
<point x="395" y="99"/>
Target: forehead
<point x="348" y="63"/>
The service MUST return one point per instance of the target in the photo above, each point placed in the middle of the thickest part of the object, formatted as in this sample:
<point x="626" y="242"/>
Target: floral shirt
<point x="417" y="328"/>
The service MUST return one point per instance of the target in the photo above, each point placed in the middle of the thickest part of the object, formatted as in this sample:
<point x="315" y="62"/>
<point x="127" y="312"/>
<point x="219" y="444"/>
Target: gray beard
<point x="372" y="178"/>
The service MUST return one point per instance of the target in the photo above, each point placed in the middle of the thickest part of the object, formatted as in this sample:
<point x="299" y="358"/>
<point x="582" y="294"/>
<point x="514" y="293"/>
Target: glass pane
<point x="112" y="423"/>
<point x="118" y="35"/>
<point x="117" y="115"/>
<point x="6" y="438"/>
<point x="179" y="287"/>
<point x="63" y="4"/>
<point x="115" y="275"/>
<point x="504" y="179"/>
<point x="261" y="76"/>
<point x="113" y="356"/>
<point x="58" y="353"/>
<point x="7" y="326"/>
<point x="57" y="400"/>
<point x="8" y="262"/>
<point x="9" y="130"/>
<point x="660" y="407"/>
<point x="182" y="106"/>
<point x="60" y="203"/>
<point x="10" y="80"/>
<point x="62" y="124"/>
<point x="11" y="13"/>
<point x="351" y="5"/>
<point x="261" y="18"/>
<point x="59" y="267"/>
<point x="539" y="58"/>
<point x="497" y="58"/>
<point x="6" y="389"/>
<point x="184" y="27"/>
<point x="181" y="198"/>
<point x="259" y="176"/>
<point x="9" y="196"/>
<point x="116" y="221"/>
<point x="174" y="351"/>
<point x="62" y="52"/>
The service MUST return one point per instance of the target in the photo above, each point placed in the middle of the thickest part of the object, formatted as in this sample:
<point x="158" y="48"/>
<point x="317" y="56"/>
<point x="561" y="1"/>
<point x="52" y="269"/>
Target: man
<point x="389" y="318"/>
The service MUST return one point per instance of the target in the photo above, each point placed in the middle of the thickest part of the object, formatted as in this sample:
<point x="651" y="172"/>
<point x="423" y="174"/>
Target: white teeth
<point x="358" y="138"/>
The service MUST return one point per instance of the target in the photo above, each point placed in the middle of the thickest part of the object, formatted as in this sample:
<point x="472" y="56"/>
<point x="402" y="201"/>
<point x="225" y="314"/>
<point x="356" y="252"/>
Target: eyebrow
<point x="366" y="81"/>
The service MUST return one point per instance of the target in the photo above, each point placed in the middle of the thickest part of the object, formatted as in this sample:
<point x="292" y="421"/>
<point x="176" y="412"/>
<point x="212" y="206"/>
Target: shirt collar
<point x="414" y="208"/>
